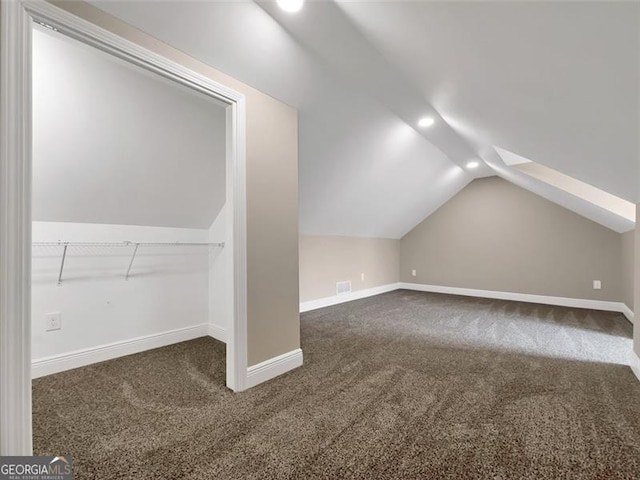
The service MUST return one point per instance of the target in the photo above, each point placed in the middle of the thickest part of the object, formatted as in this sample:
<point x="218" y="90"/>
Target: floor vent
<point x="343" y="287"/>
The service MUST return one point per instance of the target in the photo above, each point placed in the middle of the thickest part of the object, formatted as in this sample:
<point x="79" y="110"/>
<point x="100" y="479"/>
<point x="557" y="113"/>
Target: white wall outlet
<point x="53" y="321"/>
<point x="362" y="277"/>
<point x="413" y="273"/>
<point x="597" y="284"/>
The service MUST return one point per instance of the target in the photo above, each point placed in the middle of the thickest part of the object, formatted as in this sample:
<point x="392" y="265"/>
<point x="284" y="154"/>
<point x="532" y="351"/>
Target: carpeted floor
<point x="405" y="385"/>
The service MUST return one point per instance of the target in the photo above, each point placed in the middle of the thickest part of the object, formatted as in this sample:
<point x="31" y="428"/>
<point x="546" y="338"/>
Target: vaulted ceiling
<point x="554" y="82"/>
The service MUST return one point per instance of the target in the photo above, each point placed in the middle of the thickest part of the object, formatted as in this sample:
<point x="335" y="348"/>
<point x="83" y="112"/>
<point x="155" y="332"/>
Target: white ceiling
<point x="363" y="171"/>
<point x="115" y="144"/>
<point x="556" y="83"/>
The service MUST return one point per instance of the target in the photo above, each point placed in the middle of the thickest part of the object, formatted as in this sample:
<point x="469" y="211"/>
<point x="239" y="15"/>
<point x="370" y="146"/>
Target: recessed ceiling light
<point x="473" y="164"/>
<point x="290" y="5"/>
<point x="426" y="122"/>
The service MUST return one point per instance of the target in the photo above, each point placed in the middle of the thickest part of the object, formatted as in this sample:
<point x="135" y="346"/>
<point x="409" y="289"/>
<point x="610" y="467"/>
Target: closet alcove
<point x="131" y="245"/>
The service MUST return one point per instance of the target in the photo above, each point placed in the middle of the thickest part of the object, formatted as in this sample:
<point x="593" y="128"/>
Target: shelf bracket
<point x="135" y="250"/>
<point x="64" y="256"/>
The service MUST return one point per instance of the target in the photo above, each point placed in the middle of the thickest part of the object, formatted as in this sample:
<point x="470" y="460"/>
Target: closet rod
<point x="136" y="245"/>
<point x="128" y="244"/>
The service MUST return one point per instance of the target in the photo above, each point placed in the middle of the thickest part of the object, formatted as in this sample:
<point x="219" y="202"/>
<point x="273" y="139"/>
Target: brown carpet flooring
<point x="405" y="385"/>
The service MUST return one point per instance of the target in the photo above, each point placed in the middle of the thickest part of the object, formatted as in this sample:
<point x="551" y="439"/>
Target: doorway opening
<point x="138" y="236"/>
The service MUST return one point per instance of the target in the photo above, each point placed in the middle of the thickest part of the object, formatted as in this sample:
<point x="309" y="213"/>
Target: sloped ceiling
<point x="587" y="209"/>
<point x="363" y="170"/>
<point x="591" y="194"/>
<point x="115" y="144"/>
<point x="556" y="83"/>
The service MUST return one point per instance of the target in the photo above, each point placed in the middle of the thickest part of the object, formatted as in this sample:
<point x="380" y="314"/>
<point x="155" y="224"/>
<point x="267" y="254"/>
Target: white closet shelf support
<point x="136" y="245"/>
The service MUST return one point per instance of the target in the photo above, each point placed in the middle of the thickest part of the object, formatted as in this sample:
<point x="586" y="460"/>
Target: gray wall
<point x="628" y="270"/>
<point x="494" y="235"/>
<point x="152" y="150"/>
<point x="273" y="320"/>
<point x="327" y="259"/>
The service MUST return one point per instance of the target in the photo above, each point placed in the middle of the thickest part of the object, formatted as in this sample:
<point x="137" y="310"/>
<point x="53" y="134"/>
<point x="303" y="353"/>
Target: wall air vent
<point x="343" y="287"/>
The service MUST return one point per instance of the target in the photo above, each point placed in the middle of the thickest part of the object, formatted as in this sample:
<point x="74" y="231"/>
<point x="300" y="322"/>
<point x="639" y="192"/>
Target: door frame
<point x="16" y="25"/>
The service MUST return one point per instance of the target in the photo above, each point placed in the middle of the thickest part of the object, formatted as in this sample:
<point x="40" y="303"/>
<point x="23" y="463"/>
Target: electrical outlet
<point x="597" y="284"/>
<point x="362" y="277"/>
<point x="413" y="273"/>
<point x="53" y="321"/>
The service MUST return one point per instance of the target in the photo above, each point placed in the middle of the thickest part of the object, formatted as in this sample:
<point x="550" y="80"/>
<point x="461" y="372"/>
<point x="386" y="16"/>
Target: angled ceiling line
<point x="372" y="73"/>
<point x="569" y="96"/>
<point x="557" y="195"/>
<point x="362" y="158"/>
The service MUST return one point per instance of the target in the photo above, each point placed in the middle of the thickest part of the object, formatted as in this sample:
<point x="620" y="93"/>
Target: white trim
<point x="236" y="337"/>
<point x="627" y="312"/>
<point x="346" y="297"/>
<point x="15" y="199"/>
<point x="256" y="374"/>
<point x="470" y="292"/>
<point x="273" y="367"/>
<point x="101" y="353"/>
<point x="113" y="44"/>
<point x="15" y="230"/>
<point x="520" y="297"/>
<point x="217" y="332"/>
<point x="102" y="39"/>
<point x="634" y="363"/>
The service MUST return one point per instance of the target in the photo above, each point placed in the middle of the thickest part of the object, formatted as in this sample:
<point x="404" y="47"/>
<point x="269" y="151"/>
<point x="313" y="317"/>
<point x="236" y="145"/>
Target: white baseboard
<point x="218" y="332"/>
<point x="87" y="356"/>
<point x="273" y="367"/>
<point x="256" y="374"/>
<point x="525" y="297"/>
<point x="635" y="364"/>
<point x="627" y="312"/>
<point x="347" y="297"/>
<point x="471" y="292"/>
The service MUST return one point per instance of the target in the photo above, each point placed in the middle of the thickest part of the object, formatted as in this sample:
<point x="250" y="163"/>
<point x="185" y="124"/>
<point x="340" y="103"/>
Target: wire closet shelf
<point x="135" y="245"/>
